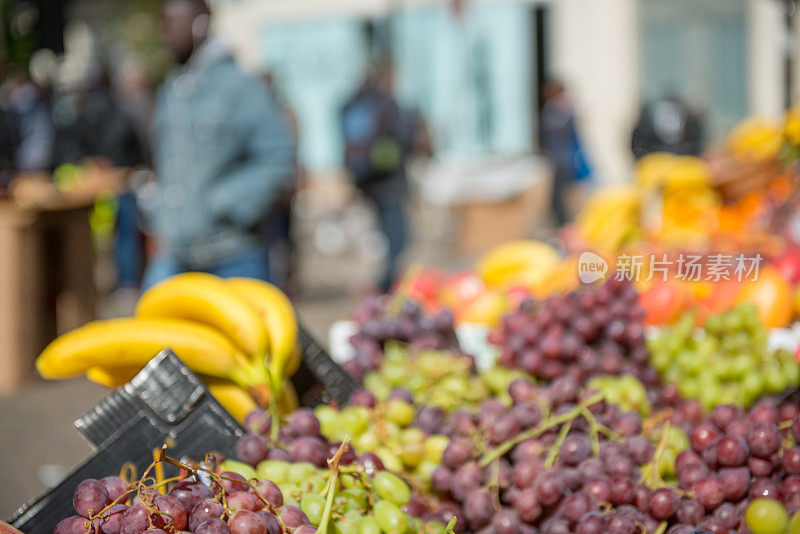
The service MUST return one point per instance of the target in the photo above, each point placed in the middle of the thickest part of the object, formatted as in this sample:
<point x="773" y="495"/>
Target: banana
<point x="131" y="342"/>
<point x="112" y="377"/>
<point x="233" y="398"/>
<point x="278" y="316"/>
<point x="206" y="299"/>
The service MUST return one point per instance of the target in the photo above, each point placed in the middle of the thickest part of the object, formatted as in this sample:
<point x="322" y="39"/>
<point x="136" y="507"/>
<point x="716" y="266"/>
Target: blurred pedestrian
<point x="562" y="144"/>
<point x="377" y="140"/>
<point x="9" y="139"/>
<point x="31" y="111"/>
<point x="668" y="125"/>
<point x="221" y="153"/>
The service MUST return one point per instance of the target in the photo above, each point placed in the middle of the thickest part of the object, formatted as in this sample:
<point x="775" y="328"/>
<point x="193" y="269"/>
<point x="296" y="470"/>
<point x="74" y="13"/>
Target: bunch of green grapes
<point x="768" y="516"/>
<point x="438" y="378"/>
<point x="725" y="362"/>
<point x="387" y="430"/>
<point x="364" y="501"/>
<point x="626" y="391"/>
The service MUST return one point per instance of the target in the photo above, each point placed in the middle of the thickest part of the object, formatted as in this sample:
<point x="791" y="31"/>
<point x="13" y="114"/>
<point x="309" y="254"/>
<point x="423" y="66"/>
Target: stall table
<point x="46" y="269"/>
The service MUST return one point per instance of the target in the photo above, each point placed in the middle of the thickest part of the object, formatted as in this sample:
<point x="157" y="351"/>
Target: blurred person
<point x="31" y="112"/>
<point x="221" y="153"/>
<point x="377" y="140"/>
<point x="96" y="128"/>
<point x="668" y="125"/>
<point x="9" y="139"/>
<point x="561" y="143"/>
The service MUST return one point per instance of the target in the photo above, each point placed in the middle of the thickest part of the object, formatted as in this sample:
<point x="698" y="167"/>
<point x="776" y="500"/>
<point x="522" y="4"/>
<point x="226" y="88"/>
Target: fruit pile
<point x="381" y="324"/>
<point x="597" y="331"/>
<point x="725" y="362"/>
<point x="239" y="335"/>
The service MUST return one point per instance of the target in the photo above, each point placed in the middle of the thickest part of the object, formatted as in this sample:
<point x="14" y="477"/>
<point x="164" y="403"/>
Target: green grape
<point x="426" y="468"/>
<point x="774" y="381"/>
<point x="689" y="362"/>
<point x="400" y="412"/>
<point x="347" y="524"/>
<point x="434" y="527"/>
<point x="299" y="472"/>
<point x="316" y="483"/>
<point x="435" y="446"/>
<point x="391" y="487"/>
<point x="273" y="470"/>
<point x="677" y="439"/>
<point x="355" y="499"/>
<point x="368" y="441"/>
<point x="412" y="453"/>
<point x="412" y="435"/>
<point x="349" y="481"/>
<point x="709" y="394"/>
<point x="689" y="388"/>
<point x="354" y="420"/>
<point x="290" y="490"/>
<point x="390" y="460"/>
<point x="394" y="373"/>
<point x="242" y="468"/>
<point x="767" y="516"/>
<point x="666" y="463"/>
<point x="313" y="504"/>
<point x="794" y="524"/>
<point x="390" y="518"/>
<point x="368" y="525"/>
<point x="791" y="371"/>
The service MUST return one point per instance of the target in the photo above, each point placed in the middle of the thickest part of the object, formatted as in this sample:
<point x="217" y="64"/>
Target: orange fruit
<point x="772" y="295"/>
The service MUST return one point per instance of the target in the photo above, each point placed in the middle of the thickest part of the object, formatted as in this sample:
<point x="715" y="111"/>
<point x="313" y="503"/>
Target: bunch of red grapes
<point x="555" y="483"/>
<point x="113" y="506"/>
<point x="596" y="331"/>
<point x="735" y="457"/>
<point x="379" y="324"/>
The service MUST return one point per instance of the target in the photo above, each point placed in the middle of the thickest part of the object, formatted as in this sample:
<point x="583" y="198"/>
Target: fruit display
<point x="239" y="335"/>
<point x="595" y="331"/>
<point x="725" y="362"/>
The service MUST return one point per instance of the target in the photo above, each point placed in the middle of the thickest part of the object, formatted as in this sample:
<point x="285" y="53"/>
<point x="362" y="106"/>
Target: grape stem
<point x="330" y="488"/>
<point x="550" y="422"/>
<point x="552" y="456"/>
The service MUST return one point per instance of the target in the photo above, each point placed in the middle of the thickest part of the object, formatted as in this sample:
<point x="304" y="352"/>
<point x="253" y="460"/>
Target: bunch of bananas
<point x="239" y="335"/>
<point x="755" y="138"/>
<point x="518" y="263"/>
<point x="688" y="201"/>
<point x="610" y="218"/>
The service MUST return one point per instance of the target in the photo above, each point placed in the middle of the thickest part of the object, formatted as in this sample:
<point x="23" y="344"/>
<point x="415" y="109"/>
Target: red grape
<point x="89" y="497"/>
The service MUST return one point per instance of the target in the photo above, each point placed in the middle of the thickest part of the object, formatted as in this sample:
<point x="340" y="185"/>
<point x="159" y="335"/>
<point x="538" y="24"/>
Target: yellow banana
<point x="206" y="299"/>
<point x="278" y="316"/>
<point x="112" y="377"/>
<point x="131" y="342"/>
<point x="233" y="398"/>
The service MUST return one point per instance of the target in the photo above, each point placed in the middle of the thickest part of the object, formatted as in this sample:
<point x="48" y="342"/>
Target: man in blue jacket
<point x="221" y="153"/>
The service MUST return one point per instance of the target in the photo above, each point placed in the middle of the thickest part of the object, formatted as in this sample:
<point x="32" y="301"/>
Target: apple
<point x="788" y="264"/>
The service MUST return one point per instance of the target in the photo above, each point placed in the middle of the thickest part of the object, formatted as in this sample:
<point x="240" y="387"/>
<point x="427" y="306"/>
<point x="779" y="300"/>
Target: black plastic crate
<point x="165" y="402"/>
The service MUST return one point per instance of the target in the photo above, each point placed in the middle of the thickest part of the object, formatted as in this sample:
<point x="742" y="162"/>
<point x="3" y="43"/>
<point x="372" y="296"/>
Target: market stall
<point x="639" y="376"/>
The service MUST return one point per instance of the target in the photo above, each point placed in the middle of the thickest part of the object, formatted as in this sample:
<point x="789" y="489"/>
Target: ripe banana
<point x="233" y="398"/>
<point x="277" y="313"/>
<point x="112" y="377"/>
<point x="206" y="299"/>
<point x="131" y="342"/>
